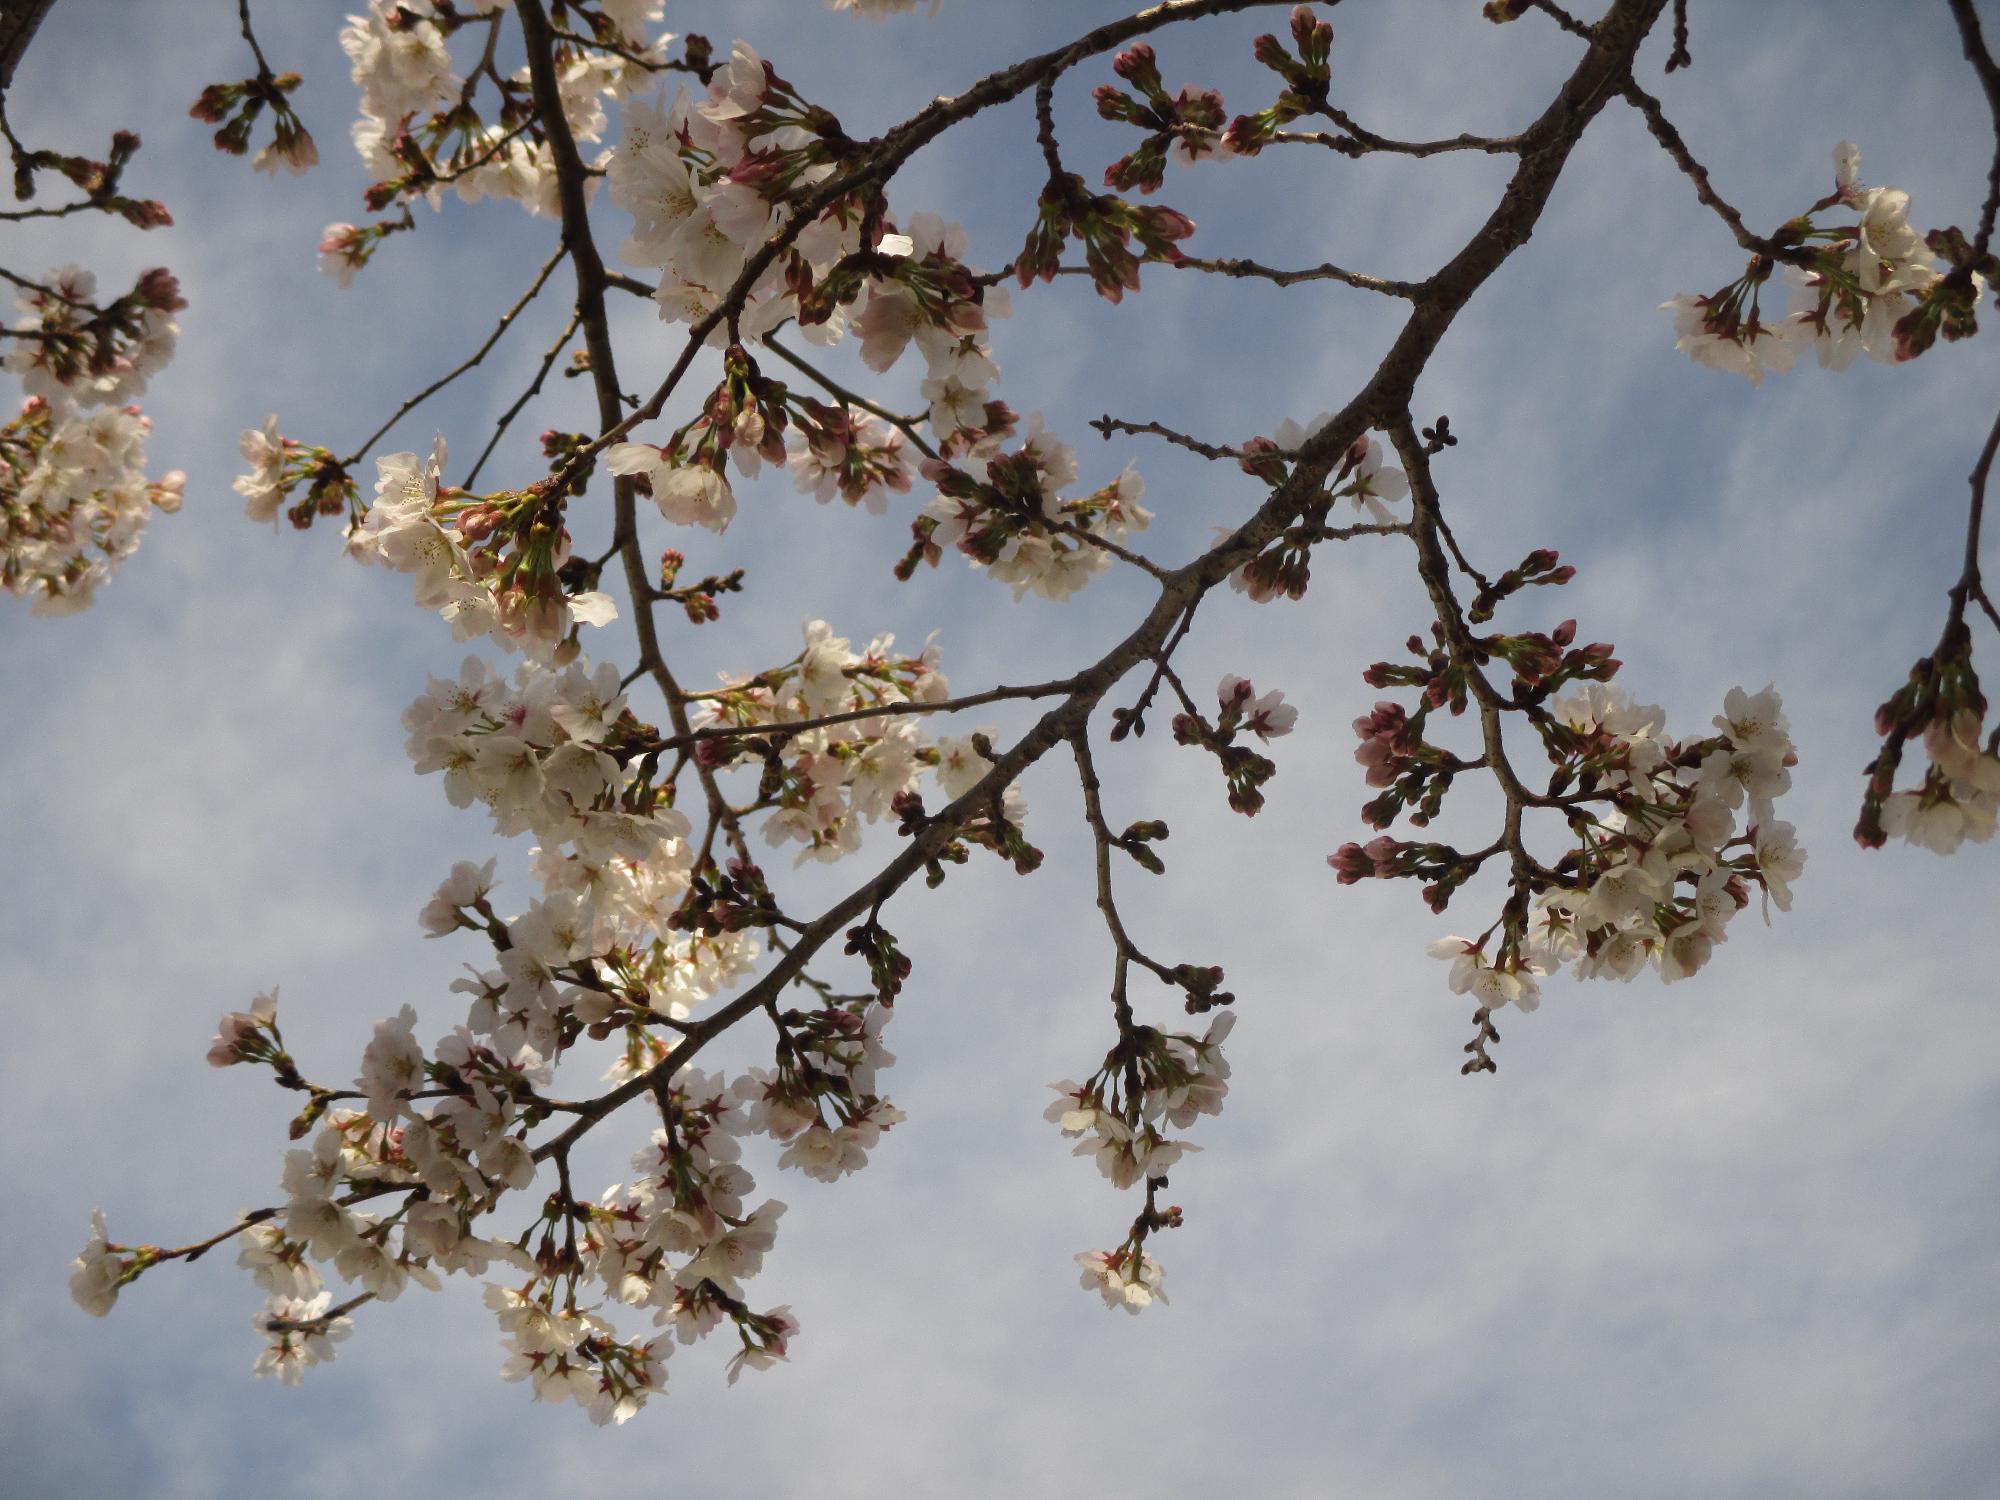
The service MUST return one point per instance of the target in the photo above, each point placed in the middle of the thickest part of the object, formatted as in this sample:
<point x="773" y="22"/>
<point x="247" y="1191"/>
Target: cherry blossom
<point x="638" y="927"/>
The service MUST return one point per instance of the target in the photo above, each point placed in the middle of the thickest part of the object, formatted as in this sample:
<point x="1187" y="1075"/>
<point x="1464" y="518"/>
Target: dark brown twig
<point x="1670" y="140"/>
<point x="1106" y="425"/>
<point x="534" y="389"/>
<point x="1357" y="141"/>
<point x="506" y="322"/>
<point x="1250" y="268"/>
<point x="906" y="425"/>
<point x="1977" y="53"/>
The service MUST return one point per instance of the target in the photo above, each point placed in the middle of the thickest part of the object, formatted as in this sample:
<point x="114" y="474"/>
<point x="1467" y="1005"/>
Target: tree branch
<point x="506" y="322"/>
<point x="1383" y="400"/>
<point x="1250" y="268"/>
<point x="533" y="390"/>
<point x="19" y="21"/>
<point x="1670" y="140"/>
<point x="1977" y="53"/>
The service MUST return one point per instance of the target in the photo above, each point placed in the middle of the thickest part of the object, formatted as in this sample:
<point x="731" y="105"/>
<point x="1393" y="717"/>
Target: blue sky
<point x="1733" y="1238"/>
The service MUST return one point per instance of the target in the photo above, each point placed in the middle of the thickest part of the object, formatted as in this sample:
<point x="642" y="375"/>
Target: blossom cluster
<point x="1959" y="800"/>
<point x="1151" y="1081"/>
<point x="74" y="496"/>
<point x="1870" y="285"/>
<point x="1006" y="513"/>
<point x="708" y="185"/>
<point x="613" y="857"/>
<point x="420" y="130"/>
<point x="236" y="106"/>
<point x="1240" y="711"/>
<point x="415" y="114"/>
<point x="1360" y="477"/>
<point x="1659" y="873"/>
<point x="823" y="780"/>
<point x="491" y="565"/>
<point x="447" y="1131"/>
<point x="1942" y="707"/>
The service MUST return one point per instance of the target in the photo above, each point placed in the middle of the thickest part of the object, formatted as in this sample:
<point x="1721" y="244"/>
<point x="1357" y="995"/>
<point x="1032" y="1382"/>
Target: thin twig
<point x="665" y="65"/>
<point x="1563" y="19"/>
<point x="1670" y="139"/>
<point x="201" y="1247"/>
<point x="788" y="727"/>
<point x="1976" y="52"/>
<point x="1680" y="57"/>
<point x="1106" y="425"/>
<point x="18" y="215"/>
<point x="1969" y="585"/>
<point x="1466" y="654"/>
<point x="264" y="73"/>
<point x="906" y="425"/>
<point x="1357" y="141"/>
<point x="533" y="390"/>
<point x="506" y="321"/>
<point x="1249" y="268"/>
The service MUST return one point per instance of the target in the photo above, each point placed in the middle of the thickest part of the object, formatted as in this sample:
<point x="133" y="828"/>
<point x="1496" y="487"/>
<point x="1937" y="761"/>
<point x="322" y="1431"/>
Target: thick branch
<point x="19" y="20"/>
<point x="264" y="73"/>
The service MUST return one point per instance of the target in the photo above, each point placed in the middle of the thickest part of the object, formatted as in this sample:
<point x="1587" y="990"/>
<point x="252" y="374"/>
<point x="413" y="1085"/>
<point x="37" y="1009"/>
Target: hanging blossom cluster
<point x="1868" y="284"/>
<point x="1004" y="511"/>
<point x="1149" y="1082"/>
<point x="1657" y="876"/>
<point x="1361" y="478"/>
<point x="74" y="496"/>
<point x="1942" y="707"/>
<point x="1875" y="286"/>
<point x="491" y="565"/>
<point x="1667" y="838"/>
<point x="1959" y="800"/>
